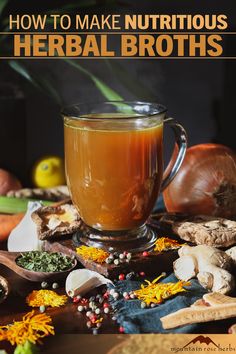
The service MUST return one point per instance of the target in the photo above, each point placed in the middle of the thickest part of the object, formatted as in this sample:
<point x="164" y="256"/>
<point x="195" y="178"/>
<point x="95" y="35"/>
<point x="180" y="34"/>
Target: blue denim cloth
<point x="134" y="319"/>
<point x="159" y="205"/>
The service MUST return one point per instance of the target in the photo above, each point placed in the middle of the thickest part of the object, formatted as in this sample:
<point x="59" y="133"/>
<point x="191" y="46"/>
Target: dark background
<point x="200" y="93"/>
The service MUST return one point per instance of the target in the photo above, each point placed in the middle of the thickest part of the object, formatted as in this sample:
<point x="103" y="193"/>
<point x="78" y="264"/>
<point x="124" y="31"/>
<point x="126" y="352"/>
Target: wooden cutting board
<point x="152" y="265"/>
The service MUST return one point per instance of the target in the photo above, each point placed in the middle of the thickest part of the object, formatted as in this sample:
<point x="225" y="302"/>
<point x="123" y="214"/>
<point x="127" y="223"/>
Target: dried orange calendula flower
<point x="99" y="320"/>
<point x="156" y="293"/>
<point x="92" y="253"/>
<point x="166" y="243"/>
<point x="32" y="328"/>
<point x="45" y="298"/>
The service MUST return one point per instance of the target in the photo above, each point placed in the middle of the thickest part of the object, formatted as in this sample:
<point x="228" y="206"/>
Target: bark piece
<point x="214" y="299"/>
<point x="217" y="307"/>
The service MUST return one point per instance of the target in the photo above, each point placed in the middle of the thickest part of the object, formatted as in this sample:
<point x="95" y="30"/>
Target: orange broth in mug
<point x="114" y="175"/>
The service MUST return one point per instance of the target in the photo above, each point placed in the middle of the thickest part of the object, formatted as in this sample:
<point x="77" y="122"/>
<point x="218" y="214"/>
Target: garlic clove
<point x="81" y="281"/>
<point x="24" y="236"/>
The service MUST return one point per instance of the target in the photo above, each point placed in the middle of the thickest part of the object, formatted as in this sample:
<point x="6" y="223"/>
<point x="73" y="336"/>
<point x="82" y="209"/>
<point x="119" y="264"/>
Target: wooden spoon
<point x="9" y="260"/>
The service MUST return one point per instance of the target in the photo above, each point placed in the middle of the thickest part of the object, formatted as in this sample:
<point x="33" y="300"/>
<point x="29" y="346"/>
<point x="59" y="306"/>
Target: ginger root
<point x="210" y="265"/>
<point x="231" y="252"/>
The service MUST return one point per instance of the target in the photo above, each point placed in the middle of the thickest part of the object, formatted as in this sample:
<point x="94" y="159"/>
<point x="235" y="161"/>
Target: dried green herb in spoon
<point x="44" y="262"/>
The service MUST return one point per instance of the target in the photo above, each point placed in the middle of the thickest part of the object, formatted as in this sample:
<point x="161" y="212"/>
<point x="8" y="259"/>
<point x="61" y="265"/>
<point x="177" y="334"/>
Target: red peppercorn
<point x="84" y="301"/>
<point x="127" y="297"/>
<point x="142" y="274"/>
<point x="105" y="305"/>
<point x="145" y="254"/>
<point x="106" y="295"/>
<point x="121" y="276"/>
<point x="76" y="299"/>
<point x="125" y="253"/>
<point x="93" y="319"/>
<point x="121" y="329"/>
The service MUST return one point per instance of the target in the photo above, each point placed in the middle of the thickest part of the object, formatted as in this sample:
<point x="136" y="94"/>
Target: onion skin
<point x="205" y="183"/>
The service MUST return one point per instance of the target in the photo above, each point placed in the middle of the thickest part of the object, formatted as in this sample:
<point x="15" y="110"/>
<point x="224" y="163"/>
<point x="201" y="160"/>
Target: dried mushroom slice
<point x="56" y="221"/>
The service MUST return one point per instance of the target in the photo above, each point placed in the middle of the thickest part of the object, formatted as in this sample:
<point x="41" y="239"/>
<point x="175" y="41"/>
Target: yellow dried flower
<point x="92" y="253"/>
<point x="45" y="298"/>
<point x="99" y="320"/>
<point x="32" y="328"/>
<point x="166" y="243"/>
<point x="157" y="293"/>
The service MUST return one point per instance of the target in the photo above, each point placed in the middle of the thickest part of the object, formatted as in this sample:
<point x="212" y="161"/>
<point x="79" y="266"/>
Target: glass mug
<point x="114" y="169"/>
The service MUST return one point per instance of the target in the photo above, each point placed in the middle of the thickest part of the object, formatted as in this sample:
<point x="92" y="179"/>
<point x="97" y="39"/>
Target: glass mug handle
<point x="178" y="154"/>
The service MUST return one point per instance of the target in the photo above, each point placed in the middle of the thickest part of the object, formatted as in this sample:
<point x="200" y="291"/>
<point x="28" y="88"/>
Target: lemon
<point x="49" y="172"/>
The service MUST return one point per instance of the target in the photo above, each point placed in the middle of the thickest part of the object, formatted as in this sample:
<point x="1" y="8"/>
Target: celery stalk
<point x="12" y="205"/>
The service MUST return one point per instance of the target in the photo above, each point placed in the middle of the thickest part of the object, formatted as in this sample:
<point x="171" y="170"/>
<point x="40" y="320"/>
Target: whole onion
<point x="205" y="183"/>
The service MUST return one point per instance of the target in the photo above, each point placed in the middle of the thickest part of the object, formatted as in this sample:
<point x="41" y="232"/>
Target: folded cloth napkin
<point x="134" y="319"/>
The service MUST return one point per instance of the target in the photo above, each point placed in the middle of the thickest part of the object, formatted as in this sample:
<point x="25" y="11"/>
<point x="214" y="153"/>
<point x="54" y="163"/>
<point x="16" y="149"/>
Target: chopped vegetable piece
<point x="8" y="223"/>
<point x="11" y="205"/>
<point x="26" y="348"/>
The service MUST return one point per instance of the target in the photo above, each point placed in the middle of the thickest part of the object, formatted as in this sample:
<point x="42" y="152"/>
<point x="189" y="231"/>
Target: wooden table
<point x="67" y="320"/>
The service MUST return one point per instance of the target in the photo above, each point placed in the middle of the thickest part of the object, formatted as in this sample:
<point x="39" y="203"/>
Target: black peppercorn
<point x="130" y="276"/>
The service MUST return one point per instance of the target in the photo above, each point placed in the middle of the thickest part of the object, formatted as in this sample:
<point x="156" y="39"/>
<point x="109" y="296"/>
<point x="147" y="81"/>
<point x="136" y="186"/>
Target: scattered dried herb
<point x="44" y="262"/>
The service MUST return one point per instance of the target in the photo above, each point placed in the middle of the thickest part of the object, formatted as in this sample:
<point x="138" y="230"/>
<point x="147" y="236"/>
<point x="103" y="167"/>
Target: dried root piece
<point x="217" y="307"/>
<point x="56" y="221"/>
<point x="210" y="265"/>
<point x="206" y="230"/>
<point x="54" y="194"/>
